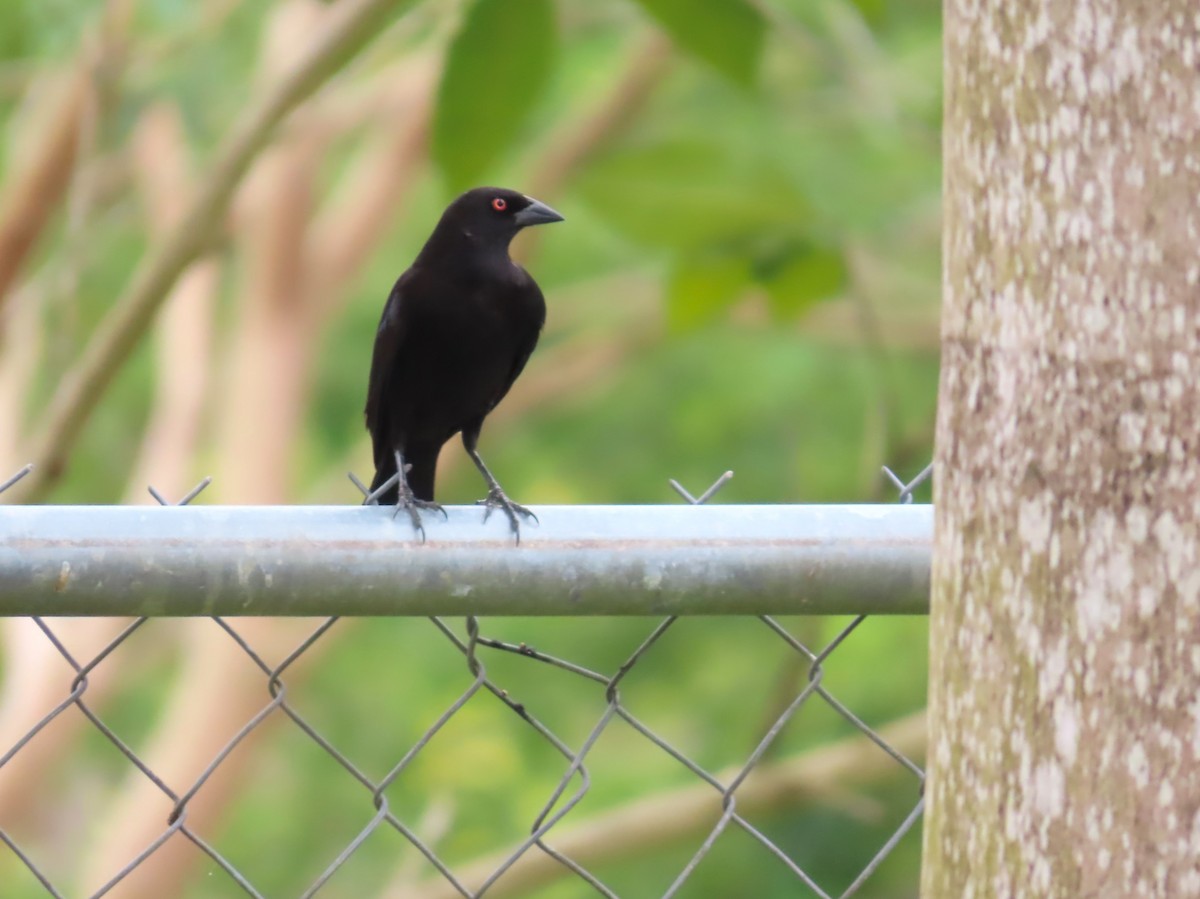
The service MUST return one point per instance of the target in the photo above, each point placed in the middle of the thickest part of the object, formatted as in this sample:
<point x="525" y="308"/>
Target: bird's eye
<point x="499" y="204"/>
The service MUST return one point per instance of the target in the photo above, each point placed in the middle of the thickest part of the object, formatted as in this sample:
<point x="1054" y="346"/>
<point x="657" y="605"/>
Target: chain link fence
<point x="556" y="848"/>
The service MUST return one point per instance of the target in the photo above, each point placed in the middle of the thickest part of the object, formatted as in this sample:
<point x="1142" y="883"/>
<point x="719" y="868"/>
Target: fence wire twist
<point x="567" y="794"/>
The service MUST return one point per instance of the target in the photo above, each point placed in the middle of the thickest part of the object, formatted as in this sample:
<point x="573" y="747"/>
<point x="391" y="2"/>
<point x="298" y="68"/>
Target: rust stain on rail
<point x="141" y="544"/>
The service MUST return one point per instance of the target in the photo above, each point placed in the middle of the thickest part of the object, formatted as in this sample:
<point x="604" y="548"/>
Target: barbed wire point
<point x="187" y="497"/>
<point x="706" y="495"/>
<point x="681" y="490"/>
<point x="25" y="470"/>
<point x="362" y="488"/>
<point x="196" y="491"/>
<point x="906" y="490"/>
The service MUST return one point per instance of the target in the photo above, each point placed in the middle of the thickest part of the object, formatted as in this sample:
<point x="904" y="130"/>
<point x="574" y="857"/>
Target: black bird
<point x="456" y="331"/>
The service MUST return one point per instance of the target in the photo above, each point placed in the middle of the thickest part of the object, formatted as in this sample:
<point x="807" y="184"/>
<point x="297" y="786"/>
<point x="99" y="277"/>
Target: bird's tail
<point x="423" y="468"/>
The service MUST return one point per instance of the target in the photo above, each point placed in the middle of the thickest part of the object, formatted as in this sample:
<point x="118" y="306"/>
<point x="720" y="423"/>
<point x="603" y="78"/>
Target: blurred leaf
<point x="496" y="68"/>
<point x="860" y="179"/>
<point x="873" y="11"/>
<point x="804" y="279"/>
<point x="683" y="194"/>
<point x="727" y="34"/>
<point x="14" y="30"/>
<point x="703" y="287"/>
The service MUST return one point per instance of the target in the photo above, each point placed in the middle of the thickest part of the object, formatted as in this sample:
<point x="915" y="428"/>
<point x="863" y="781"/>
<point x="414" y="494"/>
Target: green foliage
<point x="703" y="286"/>
<point x="727" y="34"/>
<point x="700" y="289"/>
<point x="15" y="31"/>
<point x="802" y="278"/>
<point x="681" y="194"/>
<point x="496" y="69"/>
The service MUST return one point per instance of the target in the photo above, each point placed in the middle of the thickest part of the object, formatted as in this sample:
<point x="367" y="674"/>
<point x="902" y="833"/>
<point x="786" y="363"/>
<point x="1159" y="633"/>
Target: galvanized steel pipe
<point x="581" y="560"/>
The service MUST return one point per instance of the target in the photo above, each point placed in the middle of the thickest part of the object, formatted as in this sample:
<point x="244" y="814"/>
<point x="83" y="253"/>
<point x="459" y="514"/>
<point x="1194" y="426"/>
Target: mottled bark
<point x="1065" y="675"/>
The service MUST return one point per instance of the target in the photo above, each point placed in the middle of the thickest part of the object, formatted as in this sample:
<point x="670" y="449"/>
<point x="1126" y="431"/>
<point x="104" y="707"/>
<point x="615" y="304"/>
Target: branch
<point x="53" y="156"/>
<point x="352" y="26"/>
<point x="36" y="192"/>
<point x="350" y="229"/>
<point x="580" y="141"/>
<point x="271" y="343"/>
<point x="648" y="824"/>
<point x="21" y="339"/>
<point x="184" y="331"/>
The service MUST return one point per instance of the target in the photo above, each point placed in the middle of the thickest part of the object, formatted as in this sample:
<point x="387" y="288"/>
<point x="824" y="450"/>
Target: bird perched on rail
<point x="455" y="333"/>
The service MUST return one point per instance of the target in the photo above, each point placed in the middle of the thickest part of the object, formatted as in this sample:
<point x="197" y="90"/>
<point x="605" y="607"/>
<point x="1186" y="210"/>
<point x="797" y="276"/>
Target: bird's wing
<point x="389" y="338"/>
<point x="527" y="342"/>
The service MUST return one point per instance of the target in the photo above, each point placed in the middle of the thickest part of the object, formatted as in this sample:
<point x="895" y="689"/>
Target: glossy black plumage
<point x="455" y="333"/>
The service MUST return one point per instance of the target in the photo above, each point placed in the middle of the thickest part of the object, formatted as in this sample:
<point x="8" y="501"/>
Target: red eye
<point x="499" y="204"/>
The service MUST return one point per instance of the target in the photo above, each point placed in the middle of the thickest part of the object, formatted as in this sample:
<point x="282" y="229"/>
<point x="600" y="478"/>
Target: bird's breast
<point x="462" y="361"/>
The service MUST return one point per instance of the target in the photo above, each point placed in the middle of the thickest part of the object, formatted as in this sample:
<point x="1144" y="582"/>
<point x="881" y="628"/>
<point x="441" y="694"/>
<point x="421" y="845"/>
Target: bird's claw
<point x="413" y="507"/>
<point x="413" y="504"/>
<point x="496" y="499"/>
<point x="432" y="507"/>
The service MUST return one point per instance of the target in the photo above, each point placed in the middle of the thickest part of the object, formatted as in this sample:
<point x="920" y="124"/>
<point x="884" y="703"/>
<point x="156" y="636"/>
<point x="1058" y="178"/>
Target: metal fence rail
<point x="581" y="560"/>
<point x="659" y="561"/>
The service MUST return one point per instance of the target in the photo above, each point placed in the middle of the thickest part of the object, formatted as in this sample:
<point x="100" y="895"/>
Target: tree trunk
<point x="1065" y="647"/>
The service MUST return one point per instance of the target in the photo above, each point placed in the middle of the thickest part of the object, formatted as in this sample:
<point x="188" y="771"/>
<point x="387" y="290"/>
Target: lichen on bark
<point x="1065" y="647"/>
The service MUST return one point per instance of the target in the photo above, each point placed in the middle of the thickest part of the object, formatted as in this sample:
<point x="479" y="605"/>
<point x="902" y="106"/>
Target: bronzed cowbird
<point x="456" y="331"/>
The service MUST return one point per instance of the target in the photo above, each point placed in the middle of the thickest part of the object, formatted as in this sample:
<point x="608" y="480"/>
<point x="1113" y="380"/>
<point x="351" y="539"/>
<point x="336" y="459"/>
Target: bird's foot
<point x="414" y="507"/>
<point x="496" y="499"/>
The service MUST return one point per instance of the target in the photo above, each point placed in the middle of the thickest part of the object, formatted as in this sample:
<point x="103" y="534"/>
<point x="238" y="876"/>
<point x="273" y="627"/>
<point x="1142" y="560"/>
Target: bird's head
<point x="493" y="215"/>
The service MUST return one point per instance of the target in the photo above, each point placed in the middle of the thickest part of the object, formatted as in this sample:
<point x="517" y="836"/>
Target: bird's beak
<point x="536" y="213"/>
